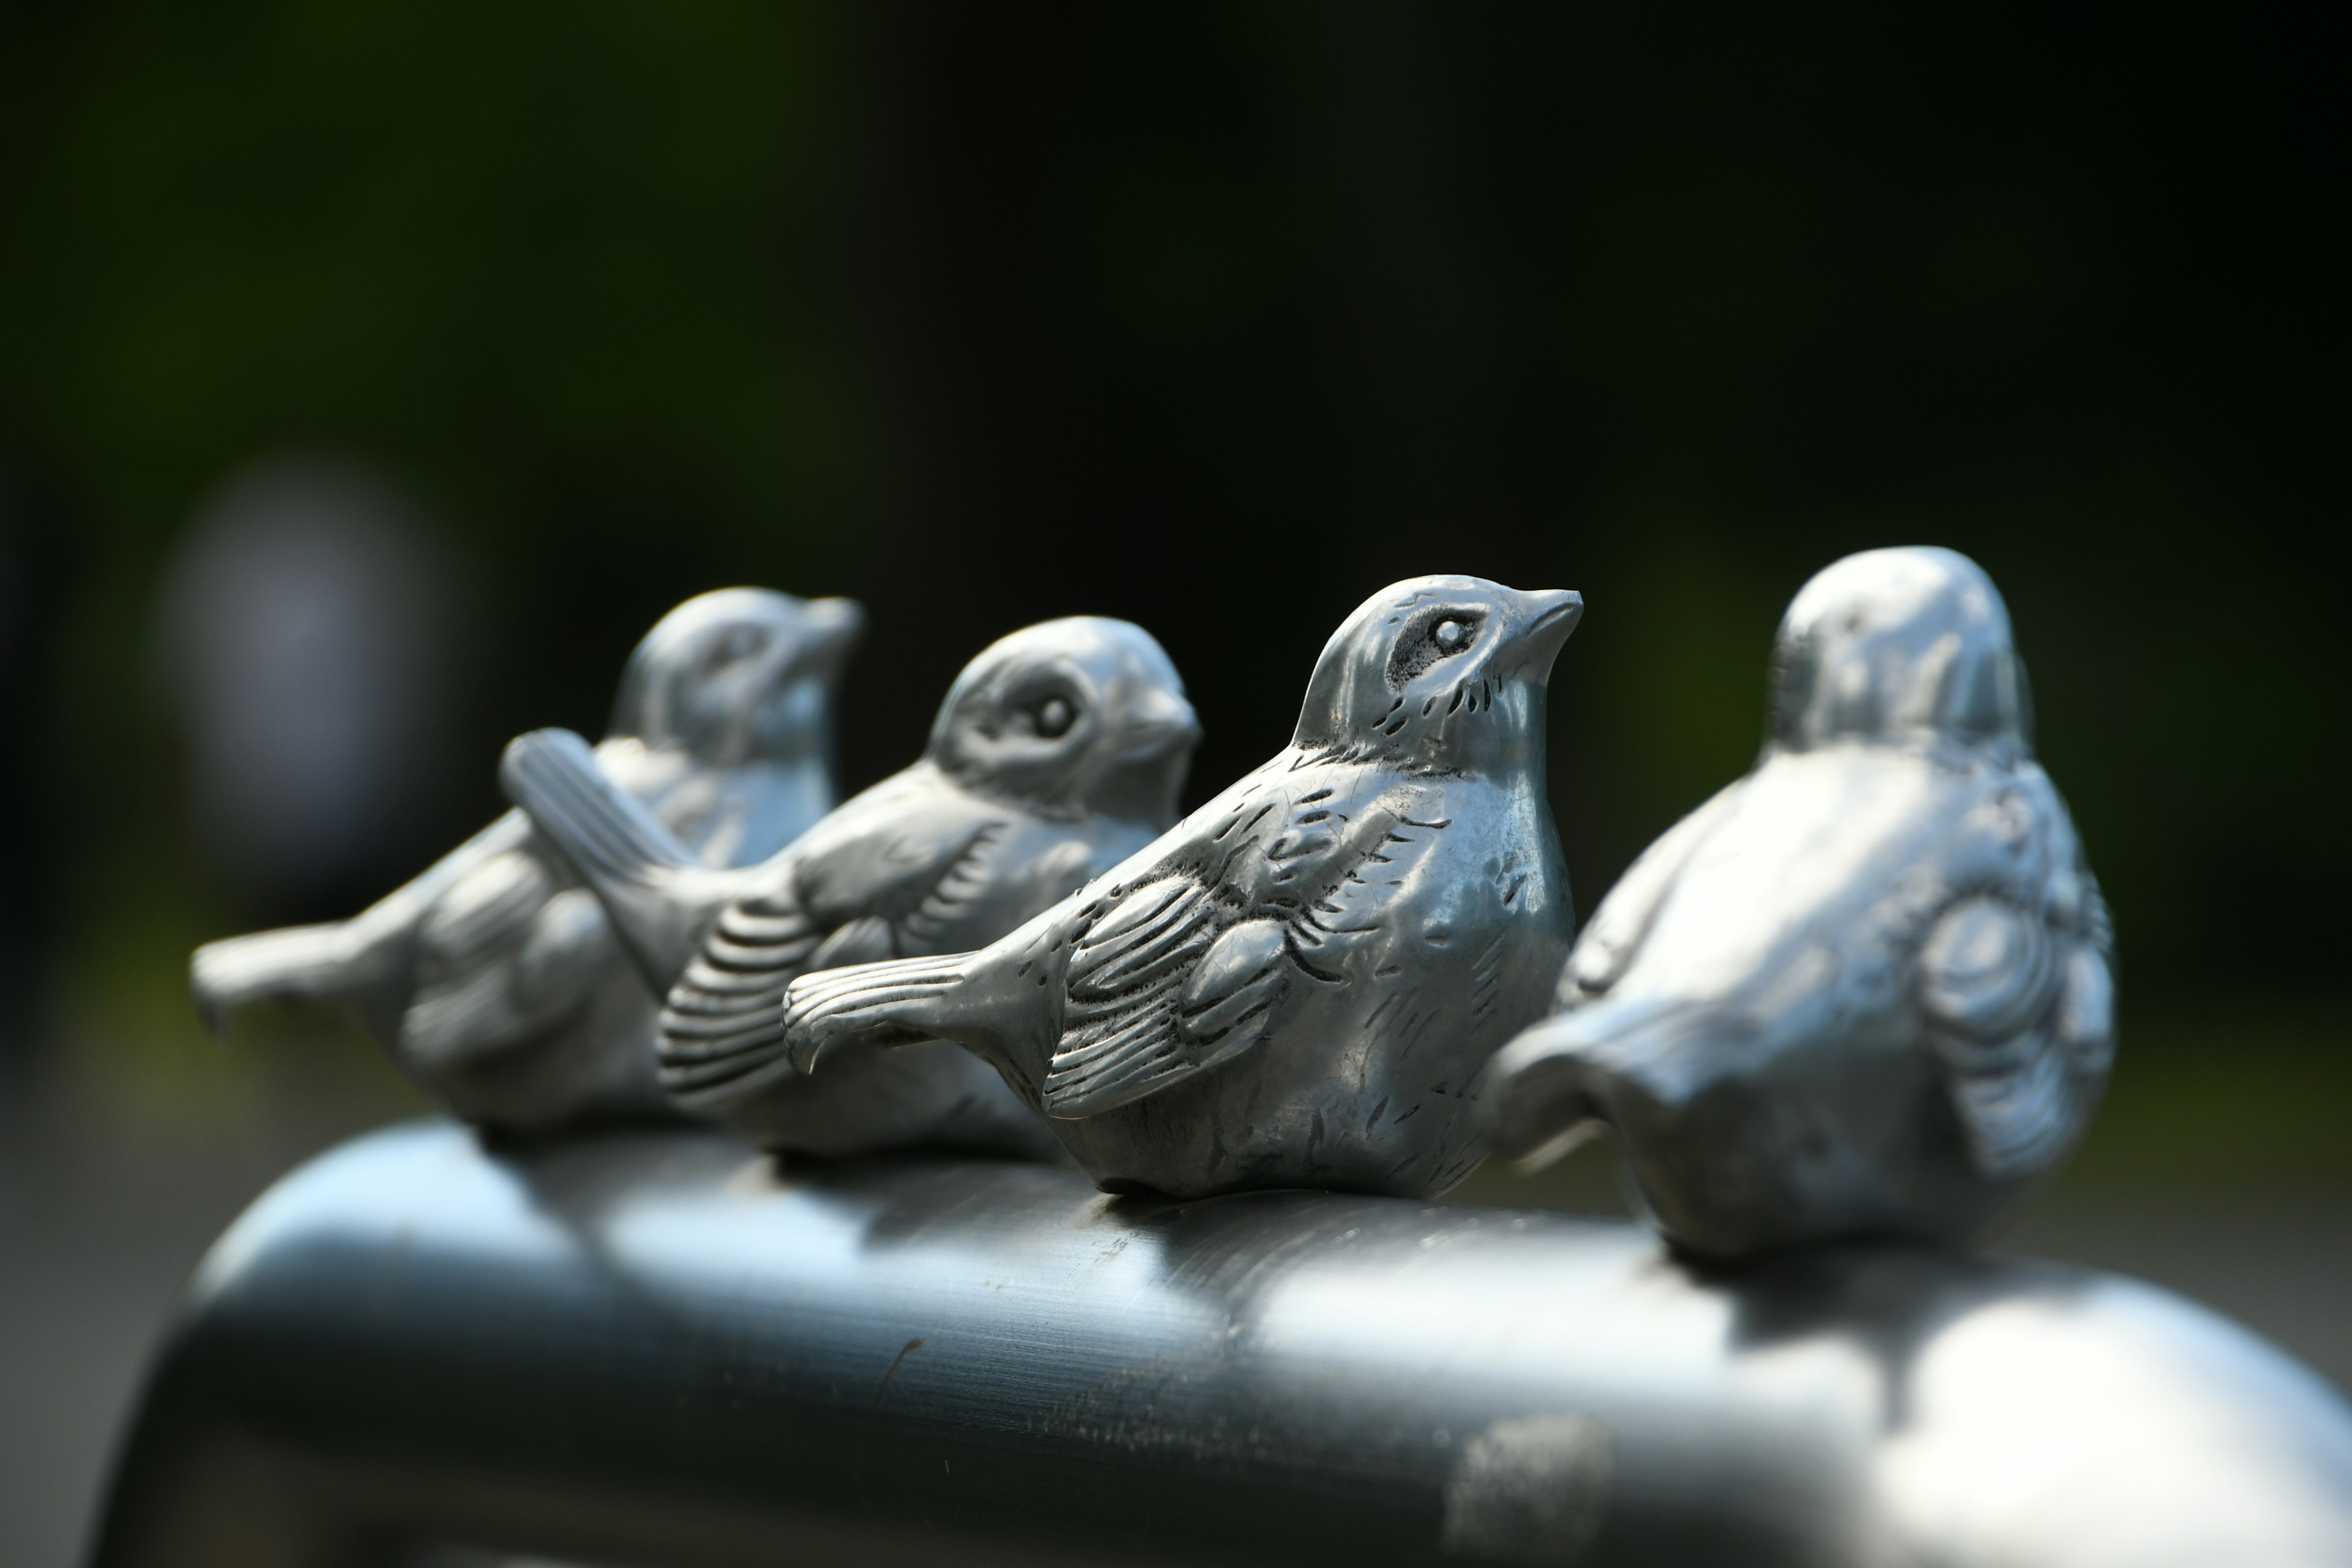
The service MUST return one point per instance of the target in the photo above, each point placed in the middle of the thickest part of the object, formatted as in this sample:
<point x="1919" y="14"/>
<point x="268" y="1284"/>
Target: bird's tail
<point x="660" y="898"/>
<point x="1556" y="1083"/>
<point x="324" y="963"/>
<point x="602" y="829"/>
<point x="894" y="1002"/>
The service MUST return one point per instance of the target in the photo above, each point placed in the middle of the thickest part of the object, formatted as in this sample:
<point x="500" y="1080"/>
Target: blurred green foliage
<point x="1219" y="318"/>
<point x="477" y="242"/>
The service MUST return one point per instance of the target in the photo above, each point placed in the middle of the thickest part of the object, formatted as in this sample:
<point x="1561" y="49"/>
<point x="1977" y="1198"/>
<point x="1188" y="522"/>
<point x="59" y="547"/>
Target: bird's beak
<point x="1546" y="616"/>
<point x="834" y="626"/>
<point x="1157" y="722"/>
<point x="830" y="629"/>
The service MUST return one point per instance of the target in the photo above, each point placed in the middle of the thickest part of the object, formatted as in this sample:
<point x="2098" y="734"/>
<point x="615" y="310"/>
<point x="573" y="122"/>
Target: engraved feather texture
<point x="1867" y="988"/>
<point x="1056" y="754"/>
<point x="1186" y="971"/>
<point x="1297" y="984"/>
<point x="916" y="865"/>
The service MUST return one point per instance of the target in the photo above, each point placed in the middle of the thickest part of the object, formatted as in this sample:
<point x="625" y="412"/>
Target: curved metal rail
<point x="654" y="1348"/>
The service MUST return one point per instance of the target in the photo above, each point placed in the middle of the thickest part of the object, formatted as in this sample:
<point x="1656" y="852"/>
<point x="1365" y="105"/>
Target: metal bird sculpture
<point x="1870" y="987"/>
<point x="1298" y="984"/>
<point x="493" y="977"/>
<point x="1058" y="752"/>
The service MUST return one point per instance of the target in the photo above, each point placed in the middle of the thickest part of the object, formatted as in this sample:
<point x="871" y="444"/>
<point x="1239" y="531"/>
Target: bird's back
<point x="917" y="865"/>
<point x="1873" y="996"/>
<point x="1830" y="864"/>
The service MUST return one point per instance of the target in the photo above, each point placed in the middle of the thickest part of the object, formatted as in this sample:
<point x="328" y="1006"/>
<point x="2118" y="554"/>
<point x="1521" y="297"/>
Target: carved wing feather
<point x="505" y="967"/>
<point x="1988" y="971"/>
<point x="1119" y="1038"/>
<point x="896" y="849"/>
<point x="2003" y="994"/>
<point x="964" y="880"/>
<point x="862" y="898"/>
<point x="1187" y="970"/>
<point x="723" y="1020"/>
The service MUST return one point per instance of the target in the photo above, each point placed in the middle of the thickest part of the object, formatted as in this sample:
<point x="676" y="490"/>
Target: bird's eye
<point x="1055" y="716"/>
<point x="733" y="647"/>
<point x="1431" y="643"/>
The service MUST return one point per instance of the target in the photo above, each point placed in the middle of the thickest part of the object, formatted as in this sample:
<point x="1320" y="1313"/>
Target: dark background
<point x="1218" y="319"/>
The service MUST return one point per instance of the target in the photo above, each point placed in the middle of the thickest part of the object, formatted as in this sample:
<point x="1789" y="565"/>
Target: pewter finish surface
<point x="1057" y="752"/>
<point x="1870" y="987"/>
<point x="651" y="1347"/>
<point x="1298" y="984"/>
<point x="494" y="978"/>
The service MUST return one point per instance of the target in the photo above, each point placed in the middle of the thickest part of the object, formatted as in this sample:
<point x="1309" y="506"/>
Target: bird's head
<point x="1083" y="715"/>
<point x="1909" y="646"/>
<point x="1439" y="672"/>
<point x="739" y="675"/>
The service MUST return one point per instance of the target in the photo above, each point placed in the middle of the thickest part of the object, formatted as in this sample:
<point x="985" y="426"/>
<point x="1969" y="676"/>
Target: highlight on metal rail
<point x="657" y="1348"/>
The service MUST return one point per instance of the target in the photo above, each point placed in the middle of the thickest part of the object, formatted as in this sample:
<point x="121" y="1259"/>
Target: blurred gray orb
<point x="307" y="625"/>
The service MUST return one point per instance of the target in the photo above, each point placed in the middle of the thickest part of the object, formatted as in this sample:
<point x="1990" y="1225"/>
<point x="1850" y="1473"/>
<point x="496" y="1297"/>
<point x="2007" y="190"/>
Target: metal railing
<point x="657" y="1349"/>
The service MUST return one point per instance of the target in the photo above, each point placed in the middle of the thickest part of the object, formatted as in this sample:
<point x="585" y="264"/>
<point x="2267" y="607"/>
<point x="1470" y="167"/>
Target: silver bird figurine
<point x="1298" y="984"/>
<point x="493" y="977"/>
<point x="1058" y="752"/>
<point x="1870" y="987"/>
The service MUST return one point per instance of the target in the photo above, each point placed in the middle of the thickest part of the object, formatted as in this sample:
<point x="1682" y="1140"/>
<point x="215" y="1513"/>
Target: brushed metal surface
<point x="654" y="1348"/>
